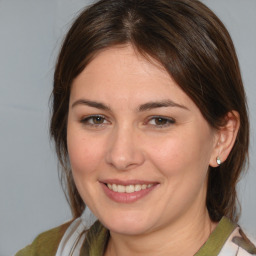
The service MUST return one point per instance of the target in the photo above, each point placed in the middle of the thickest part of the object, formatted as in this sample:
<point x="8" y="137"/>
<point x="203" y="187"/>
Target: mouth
<point x="128" y="188"/>
<point x="127" y="192"/>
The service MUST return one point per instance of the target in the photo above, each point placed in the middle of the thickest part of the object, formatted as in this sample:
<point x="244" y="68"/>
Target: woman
<point x="151" y="129"/>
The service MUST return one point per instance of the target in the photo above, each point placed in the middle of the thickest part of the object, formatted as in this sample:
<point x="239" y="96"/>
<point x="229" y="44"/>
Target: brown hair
<point x="194" y="47"/>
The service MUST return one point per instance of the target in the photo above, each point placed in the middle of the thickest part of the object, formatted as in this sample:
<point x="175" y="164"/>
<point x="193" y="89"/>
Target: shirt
<point x="227" y="239"/>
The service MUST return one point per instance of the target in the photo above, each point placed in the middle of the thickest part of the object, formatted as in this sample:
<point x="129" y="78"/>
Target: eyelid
<point x="85" y="120"/>
<point x="170" y="121"/>
<point x="88" y="121"/>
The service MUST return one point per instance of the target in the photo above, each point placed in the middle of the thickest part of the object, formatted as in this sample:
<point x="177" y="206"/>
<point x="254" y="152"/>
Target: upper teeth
<point x="129" y="188"/>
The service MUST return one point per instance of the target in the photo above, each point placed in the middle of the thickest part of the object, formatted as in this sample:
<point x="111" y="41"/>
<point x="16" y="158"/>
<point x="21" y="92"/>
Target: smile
<point x="127" y="191"/>
<point x="129" y="188"/>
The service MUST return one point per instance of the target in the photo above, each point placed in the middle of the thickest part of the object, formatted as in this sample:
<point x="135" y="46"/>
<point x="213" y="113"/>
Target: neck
<point x="184" y="238"/>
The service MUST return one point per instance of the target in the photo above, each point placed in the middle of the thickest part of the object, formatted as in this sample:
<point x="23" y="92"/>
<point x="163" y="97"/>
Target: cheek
<point x="184" y="152"/>
<point x="84" y="155"/>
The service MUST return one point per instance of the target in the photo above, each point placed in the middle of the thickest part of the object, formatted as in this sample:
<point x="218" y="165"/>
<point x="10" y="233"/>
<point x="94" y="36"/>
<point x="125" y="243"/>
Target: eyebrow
<point x="90" y="103"/>
<point x="144" y="107"/>
<point x="160" y="104"/>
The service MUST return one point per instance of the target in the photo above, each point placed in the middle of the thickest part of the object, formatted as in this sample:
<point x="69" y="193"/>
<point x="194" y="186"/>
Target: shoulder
<point x="46" y="243"/>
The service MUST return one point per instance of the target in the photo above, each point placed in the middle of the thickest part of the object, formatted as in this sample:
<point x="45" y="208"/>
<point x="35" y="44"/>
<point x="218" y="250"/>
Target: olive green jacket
<point x="46" y="244"/>
<point x="226" y="232"/>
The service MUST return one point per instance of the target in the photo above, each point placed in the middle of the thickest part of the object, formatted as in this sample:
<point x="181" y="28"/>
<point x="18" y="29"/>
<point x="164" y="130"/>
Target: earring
<point x="218" y="160"/>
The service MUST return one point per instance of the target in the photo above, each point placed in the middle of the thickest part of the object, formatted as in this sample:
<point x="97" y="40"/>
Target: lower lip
<point x="126" y="197"/>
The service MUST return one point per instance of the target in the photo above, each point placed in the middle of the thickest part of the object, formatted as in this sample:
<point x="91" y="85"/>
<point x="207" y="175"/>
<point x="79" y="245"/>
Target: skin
<point x="126" y="142"/>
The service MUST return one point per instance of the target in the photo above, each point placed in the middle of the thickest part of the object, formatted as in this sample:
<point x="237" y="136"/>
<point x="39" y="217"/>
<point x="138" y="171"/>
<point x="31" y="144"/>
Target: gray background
<point x="31" y="199"/>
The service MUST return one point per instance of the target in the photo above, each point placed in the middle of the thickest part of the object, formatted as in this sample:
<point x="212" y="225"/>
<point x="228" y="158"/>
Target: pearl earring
<point x="218" y="160"/>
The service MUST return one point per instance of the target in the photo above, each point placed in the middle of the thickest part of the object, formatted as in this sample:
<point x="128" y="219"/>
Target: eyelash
<point x="167" y="121"/>
<point x="90" y="121"/>
<point x="92" y="118"/>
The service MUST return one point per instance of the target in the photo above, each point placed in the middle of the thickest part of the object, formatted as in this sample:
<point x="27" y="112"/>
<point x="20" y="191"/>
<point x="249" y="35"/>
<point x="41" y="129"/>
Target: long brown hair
<point x="196" y="50"/>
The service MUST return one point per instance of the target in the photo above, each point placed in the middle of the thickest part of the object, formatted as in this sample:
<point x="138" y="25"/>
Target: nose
<point x="124" y="150"/>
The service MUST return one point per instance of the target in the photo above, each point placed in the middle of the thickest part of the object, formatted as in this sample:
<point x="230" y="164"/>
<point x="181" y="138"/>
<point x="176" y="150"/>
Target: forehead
<point x="117" y="64"/>
<point x="128" y="59"/>
<point x="122" y="73"/>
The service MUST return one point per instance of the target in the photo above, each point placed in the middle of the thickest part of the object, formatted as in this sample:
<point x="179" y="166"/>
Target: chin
<point x="128" y="230"/>
<point x="127" y="225"/>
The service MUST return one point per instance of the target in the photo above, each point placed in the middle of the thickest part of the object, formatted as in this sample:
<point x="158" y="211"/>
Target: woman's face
<point x="139" y="147"/>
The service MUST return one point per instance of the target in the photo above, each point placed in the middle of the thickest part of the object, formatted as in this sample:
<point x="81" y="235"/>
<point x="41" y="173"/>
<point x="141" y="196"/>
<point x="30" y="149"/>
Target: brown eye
<point x="98" y="120"/>
<point x="161" y="122"/>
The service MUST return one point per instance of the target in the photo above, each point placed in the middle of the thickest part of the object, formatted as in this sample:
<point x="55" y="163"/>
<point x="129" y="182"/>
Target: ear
<point x="225" y="138"/>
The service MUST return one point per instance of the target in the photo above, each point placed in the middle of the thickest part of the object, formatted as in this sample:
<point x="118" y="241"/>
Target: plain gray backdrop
<point x="31" y="31"/>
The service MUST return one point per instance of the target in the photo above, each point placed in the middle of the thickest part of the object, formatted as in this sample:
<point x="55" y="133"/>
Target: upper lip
<point x="127" y="182"/>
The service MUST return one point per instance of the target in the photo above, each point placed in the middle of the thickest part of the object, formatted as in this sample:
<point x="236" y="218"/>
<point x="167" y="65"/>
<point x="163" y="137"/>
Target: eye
<point x="95" y="120"/>
<point x="160" y="122"/>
